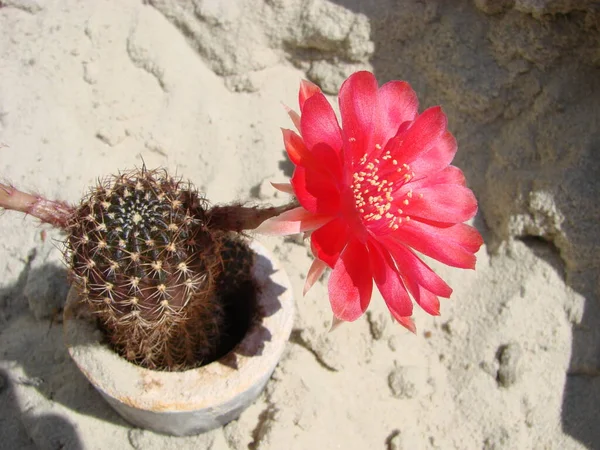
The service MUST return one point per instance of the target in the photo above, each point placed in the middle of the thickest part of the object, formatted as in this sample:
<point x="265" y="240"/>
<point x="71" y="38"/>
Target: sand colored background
<point x="91" y="87"/>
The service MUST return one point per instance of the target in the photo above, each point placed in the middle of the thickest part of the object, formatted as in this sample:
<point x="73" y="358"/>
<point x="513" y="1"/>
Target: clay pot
<point x="196" y="400"/>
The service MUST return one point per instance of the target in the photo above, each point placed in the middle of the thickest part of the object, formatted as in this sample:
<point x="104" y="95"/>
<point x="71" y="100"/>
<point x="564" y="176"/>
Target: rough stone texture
<point x="46" y="284"/>
<point x="326" y="40"/>
<point x="401" y="440"/>
<point x="541" y="7"/>
<point x="407" y="382"/>
<point x="142" y="439"/>
<point x="509" y="357"/>
<point x="325" y="347"/>
<point x="377" y="324"/>
<point x="499" y="440"/>
<point x="30" y="6"/>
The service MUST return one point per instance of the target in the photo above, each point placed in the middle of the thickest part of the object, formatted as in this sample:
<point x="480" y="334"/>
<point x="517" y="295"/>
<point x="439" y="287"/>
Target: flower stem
<point x="55" y="213"/>
<point x="236" y="217"/>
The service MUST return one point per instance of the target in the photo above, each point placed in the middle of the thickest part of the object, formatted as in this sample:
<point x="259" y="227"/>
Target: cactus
<point x="143" y="258"/>
<point x="154" y="262"/>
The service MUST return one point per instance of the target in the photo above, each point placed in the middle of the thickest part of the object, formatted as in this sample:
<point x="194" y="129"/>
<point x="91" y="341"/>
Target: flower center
<point x="375" y="185"/>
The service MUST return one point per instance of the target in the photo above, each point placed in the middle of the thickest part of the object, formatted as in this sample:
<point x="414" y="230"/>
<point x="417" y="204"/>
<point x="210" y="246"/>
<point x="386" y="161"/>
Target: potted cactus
<point x="174" y="315"/>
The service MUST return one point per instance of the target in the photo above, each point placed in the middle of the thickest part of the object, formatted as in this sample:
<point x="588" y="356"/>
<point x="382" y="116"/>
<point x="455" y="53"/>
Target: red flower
<point x="374" y="190"/>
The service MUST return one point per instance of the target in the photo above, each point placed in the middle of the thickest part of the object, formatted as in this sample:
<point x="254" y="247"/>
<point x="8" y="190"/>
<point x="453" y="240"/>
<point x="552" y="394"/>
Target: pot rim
<point x="204" y="387"/>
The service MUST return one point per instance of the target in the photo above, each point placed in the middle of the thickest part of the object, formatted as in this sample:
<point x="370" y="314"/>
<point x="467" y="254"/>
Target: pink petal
<point x="414" y="271"/>
<point x="314" y="273"/>
<point x="450" y="203"/>
<point x="335" y="323"/>
<point x="294" y="116"/>
<point x="397" y="103"/>
<point x="388" y="281"/>
<point x="454" y="245"/>
<point x="358" y="104"/>
<point x="283" y="187"/>
<point x="449" y="175"/>
<point x="436" y="159"/>
<point x="423" y="134"/>
<point x="315" y="191"/>
<point x="467" y="236"/>
<point x="318" y="123"/>
<point x="295" y="148"/>
<point x="424" y="298"/>
<point x="320" y="157"/>
<point x="328" y="241"/>
<point x="329" y="161"/>
<point x="428" y="301"/>
<point x="406" y="322"/>
<point x="293" y="221"/>
<point x="307" y="90"/>
<point x="350" y="283"/>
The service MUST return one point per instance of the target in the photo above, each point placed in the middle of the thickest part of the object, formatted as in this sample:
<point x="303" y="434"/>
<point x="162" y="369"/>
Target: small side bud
<point x="47" y="211"/>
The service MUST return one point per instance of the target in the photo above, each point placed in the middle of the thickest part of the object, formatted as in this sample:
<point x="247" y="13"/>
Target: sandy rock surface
<point x="88" y="88"/>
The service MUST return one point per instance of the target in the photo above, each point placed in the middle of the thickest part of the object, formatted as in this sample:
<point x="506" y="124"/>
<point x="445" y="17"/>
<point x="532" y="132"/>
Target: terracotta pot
<point x="196" y="400"/>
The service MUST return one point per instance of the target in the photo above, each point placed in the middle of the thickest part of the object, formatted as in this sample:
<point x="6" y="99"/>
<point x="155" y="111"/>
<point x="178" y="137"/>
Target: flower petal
<point x="283" y="187"/>
<point x="307" y="90"/>
<point x="397" y="103"/>
<point x="293" y="221"/>
<point x="414" y="271"/>
<point x="406" y="322"/>
<point x="315" y="191"/>
<point x="449" y="175"/>
<point x="295" y="148"/>
<point x="450" y="203"/>
<point x="351" y="283"/>
<point x="428" y="301"/>
<point x="335" y="323"/>
<point x="320" y="158"/>
<point x="454" y="245"/>
<point x="423" y="134"/>
<point x="318" y="123"/>
<point x="467" y="236"/>
<point x="294" y="116"/>
<point x="314" y="273"/>
<point x="328" y="241"/>
<point x="388" y="281"/>
<point x="358" y="104"/>
<point x="438" y="158"/>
